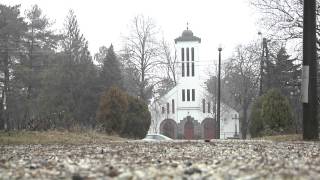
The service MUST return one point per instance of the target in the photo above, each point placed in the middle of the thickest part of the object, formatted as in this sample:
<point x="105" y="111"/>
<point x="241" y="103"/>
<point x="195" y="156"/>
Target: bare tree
<point x="226" y="97"/>
<point x="242" y="74"/>
<point x="166" y="80"/>
<point x="143" y="50"/>
<point x="169" y="61"/>
<point x="99" y="56"/>
<point x="284" y="18"/>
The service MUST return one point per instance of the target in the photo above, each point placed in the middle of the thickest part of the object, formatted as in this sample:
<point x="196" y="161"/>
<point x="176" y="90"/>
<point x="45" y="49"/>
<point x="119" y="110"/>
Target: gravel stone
<point x="131" y="160"/>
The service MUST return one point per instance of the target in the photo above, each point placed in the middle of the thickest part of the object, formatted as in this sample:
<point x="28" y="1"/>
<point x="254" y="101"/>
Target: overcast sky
<point x="225" y="22"/>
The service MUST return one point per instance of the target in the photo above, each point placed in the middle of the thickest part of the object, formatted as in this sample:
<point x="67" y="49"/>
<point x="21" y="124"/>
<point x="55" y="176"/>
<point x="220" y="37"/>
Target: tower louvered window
<point x="182" y="59"/>
<point x="192" y="64"/>
<point x="188" y="69"/>
<point x="183" y="95"/>
<point x="193" y="94"/>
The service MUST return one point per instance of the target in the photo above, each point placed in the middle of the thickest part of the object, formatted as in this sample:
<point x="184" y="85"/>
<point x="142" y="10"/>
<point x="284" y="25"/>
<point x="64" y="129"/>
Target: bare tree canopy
<point x="99" y="56"/>
<point x="143" y="49"/>
<point x="169" y="62"/>
<point x="242" y="75"/>
<point x="284" y="18"/>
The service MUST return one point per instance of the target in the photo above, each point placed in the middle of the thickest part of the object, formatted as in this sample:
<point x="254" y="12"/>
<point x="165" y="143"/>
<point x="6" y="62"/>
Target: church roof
<point x="187" y="35"/>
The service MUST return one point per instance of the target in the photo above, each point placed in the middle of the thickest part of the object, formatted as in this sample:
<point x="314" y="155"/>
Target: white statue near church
<point x="186" y="112"/>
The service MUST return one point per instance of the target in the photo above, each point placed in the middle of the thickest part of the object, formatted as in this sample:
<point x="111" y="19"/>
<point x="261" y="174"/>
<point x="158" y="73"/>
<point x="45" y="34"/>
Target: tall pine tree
<point x="111" y="74"/>
<point x="283" y="74"/>
<point x="37" y="44"/>
<point x="72" y="92"/>
<point x="286" y="73"/>
<point x="12" y="29"/>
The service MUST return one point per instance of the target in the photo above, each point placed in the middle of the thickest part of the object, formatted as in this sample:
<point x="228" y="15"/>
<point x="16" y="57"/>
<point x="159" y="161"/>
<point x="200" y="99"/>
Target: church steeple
<point x="187" y="44"/>
<point x="187" y="35"/>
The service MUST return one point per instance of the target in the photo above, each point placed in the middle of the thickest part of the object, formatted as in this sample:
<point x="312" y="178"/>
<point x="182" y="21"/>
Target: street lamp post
<point x="219" y="90"/>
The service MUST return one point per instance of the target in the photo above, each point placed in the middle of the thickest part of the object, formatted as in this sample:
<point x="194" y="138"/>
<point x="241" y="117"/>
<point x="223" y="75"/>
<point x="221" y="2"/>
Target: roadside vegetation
<point x="120" y="113"/>
<point x="271" y="115"/>
<point x="56" y="137"/>
<point x="50" y="81"/>
<point x="281" y="138"/>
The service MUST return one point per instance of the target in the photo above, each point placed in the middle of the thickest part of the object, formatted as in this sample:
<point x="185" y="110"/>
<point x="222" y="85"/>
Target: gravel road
<point x="230" y="159"/>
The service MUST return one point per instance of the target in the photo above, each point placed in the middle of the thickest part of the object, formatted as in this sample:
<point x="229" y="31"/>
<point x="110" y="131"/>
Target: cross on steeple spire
<point x="187" y="25"/>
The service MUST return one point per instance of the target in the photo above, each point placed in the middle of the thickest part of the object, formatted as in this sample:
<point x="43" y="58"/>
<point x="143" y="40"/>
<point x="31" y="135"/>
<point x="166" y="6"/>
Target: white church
<point x="186" y="112"/>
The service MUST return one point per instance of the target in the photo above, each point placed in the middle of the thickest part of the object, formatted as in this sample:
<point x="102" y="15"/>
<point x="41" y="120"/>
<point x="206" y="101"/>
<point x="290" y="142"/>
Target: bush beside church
<point x="122" y="114"/>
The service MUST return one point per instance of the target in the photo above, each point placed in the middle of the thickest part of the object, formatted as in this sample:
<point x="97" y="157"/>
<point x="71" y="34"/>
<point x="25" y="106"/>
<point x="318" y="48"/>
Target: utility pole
<point x="219" y="90"/>
<point x="264" y="58"/>
<point x="261" y="65"/>
<point x="309" y="72"/>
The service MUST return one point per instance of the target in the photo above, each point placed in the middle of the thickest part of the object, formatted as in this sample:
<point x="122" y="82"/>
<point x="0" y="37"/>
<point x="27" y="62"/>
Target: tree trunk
<point x="5" y="88"/>
<point x="1" y="112"/>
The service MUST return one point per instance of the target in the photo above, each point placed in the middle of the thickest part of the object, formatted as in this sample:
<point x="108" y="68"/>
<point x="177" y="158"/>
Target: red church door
<point x="188" y="130"/>
<point x="209" y="129"/>
<point x="168" y="129"/>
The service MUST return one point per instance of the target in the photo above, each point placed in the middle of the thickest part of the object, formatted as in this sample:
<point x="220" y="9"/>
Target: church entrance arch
<point x="208" y="128"/>
<point x="189" y="129"/>
<point x="168" y="127"/>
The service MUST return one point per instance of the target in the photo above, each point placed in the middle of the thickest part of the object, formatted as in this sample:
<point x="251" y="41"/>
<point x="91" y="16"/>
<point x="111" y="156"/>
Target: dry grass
<point x="55" y="137"/>
<point x="287" y="137"/>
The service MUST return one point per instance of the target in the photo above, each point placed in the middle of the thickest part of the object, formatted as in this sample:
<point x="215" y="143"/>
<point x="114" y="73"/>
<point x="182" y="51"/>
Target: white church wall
<point x="228" y="122"/>
<point x="185" y="108"/>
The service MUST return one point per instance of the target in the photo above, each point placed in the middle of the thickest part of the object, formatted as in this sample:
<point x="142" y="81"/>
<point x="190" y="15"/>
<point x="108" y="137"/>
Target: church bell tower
<point x="188" y="68"/>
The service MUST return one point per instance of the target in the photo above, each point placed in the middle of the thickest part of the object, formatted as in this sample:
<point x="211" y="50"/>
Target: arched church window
<point x="173" y="109"/>
<point x="203" y="105"/>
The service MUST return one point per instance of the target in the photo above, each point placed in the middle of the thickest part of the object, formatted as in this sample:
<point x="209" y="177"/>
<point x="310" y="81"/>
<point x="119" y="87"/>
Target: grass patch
<point x="55" y="137"/>
<point x="287" y="137"/>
